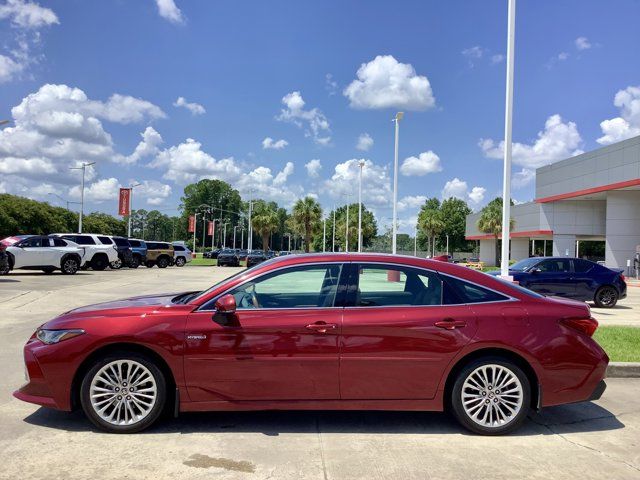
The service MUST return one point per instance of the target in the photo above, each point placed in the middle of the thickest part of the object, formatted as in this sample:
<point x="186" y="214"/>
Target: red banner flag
<point x="210" y="229"/>
<point x="192" y="223"/>
<point x="124" y="202"/>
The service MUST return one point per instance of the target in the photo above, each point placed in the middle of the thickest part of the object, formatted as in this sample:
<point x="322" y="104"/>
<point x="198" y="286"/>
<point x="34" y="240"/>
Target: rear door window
<point x="32" y="242"/>
<point x="461" y="291"/>
<point x="582" y="266"/>
<point x="557" y="265"/>
<point x="58" y="242"/>
<point x="84" y="240"/>
<point x="105" y="240"/>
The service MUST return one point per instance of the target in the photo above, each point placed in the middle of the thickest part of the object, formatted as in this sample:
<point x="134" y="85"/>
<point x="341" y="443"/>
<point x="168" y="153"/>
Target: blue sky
<point x="313" y="78"/>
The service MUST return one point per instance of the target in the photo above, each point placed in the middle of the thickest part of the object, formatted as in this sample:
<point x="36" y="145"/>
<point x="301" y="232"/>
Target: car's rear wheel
<point x="491" y="396"/>
<point x="99" y="262"/>
<point x="135" y="262"/>
<point x="163" y="262"/>
<point x="606" y="297"/>
<point x="123" y="393"/>
<point x="149" y="264"/>
<point x="180" y="262"/>
<point x="70" y="266"/>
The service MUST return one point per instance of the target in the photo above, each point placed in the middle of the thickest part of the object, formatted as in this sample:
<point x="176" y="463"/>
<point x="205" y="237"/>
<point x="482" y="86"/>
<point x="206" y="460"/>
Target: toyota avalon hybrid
<point x="322" y="331"/>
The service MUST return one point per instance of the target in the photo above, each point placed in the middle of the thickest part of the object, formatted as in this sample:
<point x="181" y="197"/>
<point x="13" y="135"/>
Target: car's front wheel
<point x="99" y="262"/>
<point x="163" y="262"/>
<point x="606" y="297"/>
<point x="491" y="396"/>
<point x="134" y="263"/>
<point x="123" y="393"/>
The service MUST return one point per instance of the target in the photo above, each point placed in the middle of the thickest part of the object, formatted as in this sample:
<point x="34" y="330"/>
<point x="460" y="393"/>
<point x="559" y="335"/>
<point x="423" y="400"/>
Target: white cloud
<point x="98" y="191"/>
<point x="281" y="177"/>
<point x="497" y="58"/>
<point x="313" y="168"/>
<point x="627" y="125"/>
<point x="558" y="140"/>
<point x="376" y="184"/>
<point x="330" y="84"/>
<point x="194" y="108"/>
<point x="457" y="188"/>
<point x="155" y="192"/>
<point x="187" y="163"/>
<point x="270" y="144"/>
<point x="562" y="56"/>
<point x="582" y="43"/>
<point x="315" y="121"/>
<point x="473" y="52"/>
<point x="411" y="201"/>
<point x="523" y="178"/>
<point x="386" y="83"/>
<point x="25" y="14"/>
<point x="365" y="142"/>
<point x="9" y="68"/>
<point x="169" y="11"/>
<point x="58" y="127"/>
<point x="261" y="183"/>
<point x="426" y="162"/>
<point x="151" y="140"/>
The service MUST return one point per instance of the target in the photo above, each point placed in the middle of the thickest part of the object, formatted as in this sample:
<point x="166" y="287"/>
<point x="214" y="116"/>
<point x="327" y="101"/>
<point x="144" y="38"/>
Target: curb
<point x="623" y="370"/>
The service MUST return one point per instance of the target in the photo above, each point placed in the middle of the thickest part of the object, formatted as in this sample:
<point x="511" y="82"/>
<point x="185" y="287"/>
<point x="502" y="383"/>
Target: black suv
<point x="228" y="258"/>
<point x="255" y="257"/>
<point x="125" y="254"/>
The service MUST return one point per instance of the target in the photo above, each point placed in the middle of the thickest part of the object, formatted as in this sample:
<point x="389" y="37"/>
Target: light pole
<point x="250" y="233"/>
<point x="361" y="165"/>
<point x="333" y="242"/>
<point x="508" y="116"/>
<point x="83" y="168"/>
<point x="224" y="235"/>
<point x="131" y="187"/>
<point x="415" y="242"/>
<point x="235" y="227"/>
<point x="288" y="235"/>
<point x="68" y="202"/>
<point x="399" y="116"/>
<point x="346" y="233"/>
<point x="324" y="234"/>
<point x="447" y="244"/>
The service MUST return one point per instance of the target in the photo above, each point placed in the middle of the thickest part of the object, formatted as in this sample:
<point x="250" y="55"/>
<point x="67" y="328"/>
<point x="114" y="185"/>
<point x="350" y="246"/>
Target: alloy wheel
<point x="123" y="392"/>
<point x="606" y="297"/>
<point x="492" y="396"/>
<point x="70" y="266"/>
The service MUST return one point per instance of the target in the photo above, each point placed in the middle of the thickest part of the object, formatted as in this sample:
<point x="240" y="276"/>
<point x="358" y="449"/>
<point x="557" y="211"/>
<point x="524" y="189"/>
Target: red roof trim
<point x="588" y="191"/>
<point x="528" y="233"/>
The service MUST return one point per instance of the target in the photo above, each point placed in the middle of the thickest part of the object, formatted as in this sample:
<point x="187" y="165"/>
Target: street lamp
<point x="324" y="234"/>
<point x="83" y="168"/>
<point x="224" y="235"/>
<point x="235" y="227"/>
<point x="399" y="116"/>
<point x="131" y="187"/>
<point x="250" y="233"/>
<point x="333" y="241"/>
<point x="508" y="116"/>
<point x="415" y="241"/>
<point x="288" y="235"/>
<point x="68" y="202"/>
<point x="361" y="165"/>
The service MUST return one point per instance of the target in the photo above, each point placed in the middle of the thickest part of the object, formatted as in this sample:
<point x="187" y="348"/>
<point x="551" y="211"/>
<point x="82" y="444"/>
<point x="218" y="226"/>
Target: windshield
<point x="525" y="264"/>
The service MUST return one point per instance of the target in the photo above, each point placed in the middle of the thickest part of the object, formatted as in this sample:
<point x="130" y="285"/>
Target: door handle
<point x="321" y="327"/>
<point x="450" y="324"/>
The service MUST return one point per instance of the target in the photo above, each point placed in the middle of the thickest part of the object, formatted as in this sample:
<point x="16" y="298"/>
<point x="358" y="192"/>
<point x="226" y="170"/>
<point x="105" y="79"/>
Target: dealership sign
<point x="124" y="204"/>
<point x="192" y="223"/>
<point x="210" y="229"/>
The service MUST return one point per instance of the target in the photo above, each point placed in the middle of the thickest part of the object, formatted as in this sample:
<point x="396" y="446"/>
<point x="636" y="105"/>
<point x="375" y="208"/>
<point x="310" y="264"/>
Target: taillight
<point x="622" y="277"/>
<point x="587" y="326"/>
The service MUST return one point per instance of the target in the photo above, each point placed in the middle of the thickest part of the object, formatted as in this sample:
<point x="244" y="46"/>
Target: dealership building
<point x="591" y="197"/>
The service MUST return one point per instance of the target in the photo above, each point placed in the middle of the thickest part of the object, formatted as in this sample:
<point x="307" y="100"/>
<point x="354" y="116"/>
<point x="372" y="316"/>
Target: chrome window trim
<point x="199" y="309"/>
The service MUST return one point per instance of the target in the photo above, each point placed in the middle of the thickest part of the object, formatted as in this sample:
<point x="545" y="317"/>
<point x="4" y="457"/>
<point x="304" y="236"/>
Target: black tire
<point x="149" y="419"/>
<point x="180" y="262"/>
<point x="99" y="262"/>
<point x="513" y="421"/>
<point x="163" y="262"/>
<point x="48" y="270"/>
<point x="70" y="265"/>
<point x="149" y="264"/>
<point x="135" y="262"/>
<point x="606" y="297"/>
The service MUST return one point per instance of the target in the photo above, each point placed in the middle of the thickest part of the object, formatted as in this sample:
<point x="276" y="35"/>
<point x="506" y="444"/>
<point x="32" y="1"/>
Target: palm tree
<point x="490" y="222"/>
<point x="430" y="221"/>
<point x="264" y="220"/>
<point x="306" y="215"/>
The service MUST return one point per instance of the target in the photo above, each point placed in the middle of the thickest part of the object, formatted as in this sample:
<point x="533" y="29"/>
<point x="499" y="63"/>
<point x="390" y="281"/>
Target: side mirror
<point x="535" y="270"/>
<point x="226" y="304"/>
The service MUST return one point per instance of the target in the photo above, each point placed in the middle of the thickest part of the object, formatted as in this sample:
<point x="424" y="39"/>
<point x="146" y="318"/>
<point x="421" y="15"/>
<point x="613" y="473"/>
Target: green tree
<point x="369" y="229"/>
<point x="98" y="222"/>
<point x="454" y="215"/>
<point x="264" y="220"/>
<point x="431" y="222"/>
<point x="490" y="222"/>
<point x="306" y="215"/>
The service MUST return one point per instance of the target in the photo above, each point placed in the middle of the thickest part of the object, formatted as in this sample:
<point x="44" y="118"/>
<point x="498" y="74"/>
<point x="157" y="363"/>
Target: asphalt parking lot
<point x="590" y="440"/>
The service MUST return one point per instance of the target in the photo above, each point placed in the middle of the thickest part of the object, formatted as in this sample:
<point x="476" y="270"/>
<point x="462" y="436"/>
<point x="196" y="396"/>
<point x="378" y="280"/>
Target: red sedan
<point x="334" y="331"/>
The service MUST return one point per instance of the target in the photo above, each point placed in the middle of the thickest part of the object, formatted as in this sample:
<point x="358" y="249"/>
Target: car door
<point x="585" y="281"/>
<point x="49" y="253"/>
<point x="29" y="253"/>
<point x="398" y="335"/>
<point x="281" y="344"/>
<point x="553" y="277"/>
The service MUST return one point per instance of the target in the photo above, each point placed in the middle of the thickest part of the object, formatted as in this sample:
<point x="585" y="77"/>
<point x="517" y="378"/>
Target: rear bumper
<point x="598" y="391"/>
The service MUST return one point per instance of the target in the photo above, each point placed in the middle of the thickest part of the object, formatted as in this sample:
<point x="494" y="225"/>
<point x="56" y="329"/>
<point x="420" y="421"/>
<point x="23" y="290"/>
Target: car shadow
<point x="582" y="417"/>
<point x="8" y="280"/>
<point x="35" y="273"/>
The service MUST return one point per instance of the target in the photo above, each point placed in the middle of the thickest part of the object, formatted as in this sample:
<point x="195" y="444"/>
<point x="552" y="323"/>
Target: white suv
<point x="181" y="254"/>
<point x="46" y="253"/>
<point x="100" y="250"/>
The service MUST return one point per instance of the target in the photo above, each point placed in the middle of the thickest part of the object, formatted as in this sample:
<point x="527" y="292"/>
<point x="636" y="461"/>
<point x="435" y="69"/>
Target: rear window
<point x="465" y="292"/>
<point x="105" y="240"/>
<point x="121" y="242"/>
<point x="134" y="243"/>
<point x="178" y="248"/>
<point x="582" y="266"/>
<point x="82" y="240"/>
<point x="152" y="246"/>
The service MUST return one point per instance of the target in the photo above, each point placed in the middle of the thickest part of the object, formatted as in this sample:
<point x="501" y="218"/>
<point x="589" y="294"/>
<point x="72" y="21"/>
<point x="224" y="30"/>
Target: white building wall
<point x="519" y="248"/>
<point x="564" y="245"/>
<point x="623" y="227"/>
<point x="488" y="251"/>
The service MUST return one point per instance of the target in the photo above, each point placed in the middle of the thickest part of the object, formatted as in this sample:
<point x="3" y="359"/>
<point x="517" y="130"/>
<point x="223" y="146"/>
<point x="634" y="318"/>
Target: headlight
<point x="55" y="336"/>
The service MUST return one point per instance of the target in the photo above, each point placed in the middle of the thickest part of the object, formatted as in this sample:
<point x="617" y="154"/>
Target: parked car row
<point x="70" y="252"/>
<point x="231" y="257"/>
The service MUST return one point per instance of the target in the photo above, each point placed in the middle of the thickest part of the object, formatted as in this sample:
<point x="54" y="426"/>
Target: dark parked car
<point x="574" y="278"/>
<point x="315" y="332"/>
<point x="228" y="258"/>
<point x="125" y="253"/>
<point x="255" y="257"/>
<point x="213" y="254"/>
<point x="139" y="250"/>
<point x="4" y="261"/>
<point x="284" y="252"/>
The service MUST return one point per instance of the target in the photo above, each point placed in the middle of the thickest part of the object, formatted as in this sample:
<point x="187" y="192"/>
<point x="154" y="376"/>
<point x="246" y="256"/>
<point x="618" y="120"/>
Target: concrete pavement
<point x="590" y="440"/>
